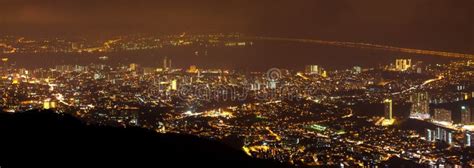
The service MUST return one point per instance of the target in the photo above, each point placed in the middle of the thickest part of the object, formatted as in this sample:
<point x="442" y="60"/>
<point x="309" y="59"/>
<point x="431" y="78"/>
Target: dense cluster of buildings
<point x="309" y="117"/>
<point x="14" y="44"/>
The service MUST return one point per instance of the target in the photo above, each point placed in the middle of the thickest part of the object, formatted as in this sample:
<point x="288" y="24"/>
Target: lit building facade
<point x="166" y="64"/>
<point x="443" y="115"/>
<point x="402" y="64"/>
<point x="388" y="111"/>
<point x="465" y="115"/>
<point x="312" y="69"/>
<point x="420" y="105"/>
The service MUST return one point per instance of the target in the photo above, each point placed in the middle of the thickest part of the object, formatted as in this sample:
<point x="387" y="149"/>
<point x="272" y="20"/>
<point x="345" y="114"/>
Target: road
<point x="368" y="46"/>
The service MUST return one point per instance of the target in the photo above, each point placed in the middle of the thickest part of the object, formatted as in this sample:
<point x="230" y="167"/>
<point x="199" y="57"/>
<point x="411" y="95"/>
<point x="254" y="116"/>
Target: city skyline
<point x="434" y="24"/>
<point x="309" y="83"/>
<point x="231" y="51"/>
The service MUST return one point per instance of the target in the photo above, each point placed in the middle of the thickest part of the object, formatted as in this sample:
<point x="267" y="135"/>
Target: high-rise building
<point x="430" y="135"/>
<point x="174" y="84"/>
<point x="169" y="64"/>
<point x="272" y="84"/>
<point x="166" y="64"/>
<point x="388" y="113"/>
<point x="402" y="64"/>
<point x="438" y="133"/>
<point x="193" y="69"/>
<point x="312" y="69"/>
<point x="442" y="135"/>
<point x="465" y="115"/>
<point x="49" y="104"/>
<point x="4" y="69"/>
<point x="420" y="105"/>
<point x="468" y="139"/>
<point x="442" y="115"/>
<point x="450" y="138"/>
<point x="357" y="69"/>
<point x="46" y="104"/>
<point x="324" y="74"/>
<point x="133" y="67"/>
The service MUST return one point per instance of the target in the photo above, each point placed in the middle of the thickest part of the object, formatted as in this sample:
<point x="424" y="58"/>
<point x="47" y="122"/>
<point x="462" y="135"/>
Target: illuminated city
<point x="377" y="102"/>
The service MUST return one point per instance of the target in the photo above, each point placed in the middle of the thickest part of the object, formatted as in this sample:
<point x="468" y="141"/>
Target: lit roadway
<point x="418" y="86"/>
<point x="368" y="46"/>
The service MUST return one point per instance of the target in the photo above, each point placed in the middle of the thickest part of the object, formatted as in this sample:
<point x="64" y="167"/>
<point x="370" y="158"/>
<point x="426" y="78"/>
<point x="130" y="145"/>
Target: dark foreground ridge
<point x="45" y="138"/>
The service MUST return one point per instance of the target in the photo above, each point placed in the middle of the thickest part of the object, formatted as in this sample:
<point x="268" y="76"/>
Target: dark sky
<point x="429" y="24"/>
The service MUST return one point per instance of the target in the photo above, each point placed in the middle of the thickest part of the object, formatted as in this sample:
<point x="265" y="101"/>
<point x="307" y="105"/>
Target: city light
<point x="263" y="83"/>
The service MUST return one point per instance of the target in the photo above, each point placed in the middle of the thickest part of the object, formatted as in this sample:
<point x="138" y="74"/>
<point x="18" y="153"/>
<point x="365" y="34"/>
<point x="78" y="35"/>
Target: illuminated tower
<point x="5" y="66"/>
<point x="174" y="84"/>
<point x="420" y="105"/>
<point x="465" y="115"/>
<point x="133" y="67"/>
<point x="428" y="135"/>
<point x="166" y="63"/>
<point x="431" y="135"/>
<point x="468" y="139"/>
<point x="312" y="69"/>
<point x="169" y="63"/>
<point x="388" y="113"/>
<point x="449" y="139"/>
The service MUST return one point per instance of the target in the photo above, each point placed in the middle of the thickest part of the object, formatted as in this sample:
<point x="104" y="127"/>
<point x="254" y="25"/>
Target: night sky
<point x="429" y="24"/>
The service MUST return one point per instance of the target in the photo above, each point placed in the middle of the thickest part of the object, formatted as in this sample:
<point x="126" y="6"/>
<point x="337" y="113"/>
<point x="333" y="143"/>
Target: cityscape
<point x="311" y="116"/>
<point x="405" y="106"/>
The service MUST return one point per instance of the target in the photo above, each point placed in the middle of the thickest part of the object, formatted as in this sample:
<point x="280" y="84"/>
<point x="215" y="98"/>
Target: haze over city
<point x="307" y="83"/>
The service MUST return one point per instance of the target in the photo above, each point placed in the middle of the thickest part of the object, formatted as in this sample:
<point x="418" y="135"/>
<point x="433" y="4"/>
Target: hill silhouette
<point x="49" y="139"/>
